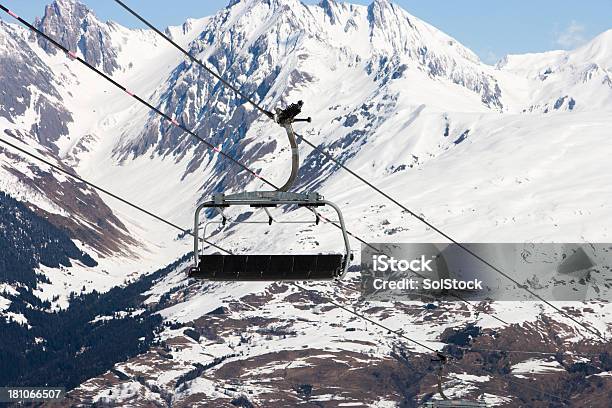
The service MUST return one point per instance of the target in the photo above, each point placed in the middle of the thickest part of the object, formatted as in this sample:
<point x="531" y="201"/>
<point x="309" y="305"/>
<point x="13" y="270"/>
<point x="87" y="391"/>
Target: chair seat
<point x="268" y="267"/>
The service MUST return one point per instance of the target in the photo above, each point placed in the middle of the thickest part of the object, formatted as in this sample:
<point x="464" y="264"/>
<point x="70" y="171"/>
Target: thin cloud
<point x="490" y="57"/>
<point x="572" y="36"/>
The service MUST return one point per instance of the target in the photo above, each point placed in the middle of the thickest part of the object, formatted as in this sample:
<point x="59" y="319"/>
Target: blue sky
<point x="492" y="29"/>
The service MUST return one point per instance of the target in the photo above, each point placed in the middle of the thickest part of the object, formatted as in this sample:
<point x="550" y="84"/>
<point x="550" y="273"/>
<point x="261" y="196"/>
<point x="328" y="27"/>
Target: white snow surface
<point x="536" y="366"/>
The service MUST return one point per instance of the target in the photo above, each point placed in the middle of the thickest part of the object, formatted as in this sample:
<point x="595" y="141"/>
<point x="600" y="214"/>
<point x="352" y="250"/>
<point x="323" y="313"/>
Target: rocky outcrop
<point x="74" y="26"/>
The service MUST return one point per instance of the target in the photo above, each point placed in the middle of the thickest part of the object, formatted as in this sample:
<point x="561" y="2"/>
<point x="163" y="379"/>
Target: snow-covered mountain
<point x="517" y="152"/>
<point x="584" y="74"/>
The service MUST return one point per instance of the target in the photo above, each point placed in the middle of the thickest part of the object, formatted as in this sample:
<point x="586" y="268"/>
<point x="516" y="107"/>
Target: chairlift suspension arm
<point x="295" y="158"/>
<point x="442" y="359"/>
<point x="286" y="117"/>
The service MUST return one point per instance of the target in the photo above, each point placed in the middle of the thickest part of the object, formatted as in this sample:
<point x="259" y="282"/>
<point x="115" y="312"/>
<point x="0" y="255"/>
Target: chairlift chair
<point x="268" y="267"/>
<point x="447" y="402"/>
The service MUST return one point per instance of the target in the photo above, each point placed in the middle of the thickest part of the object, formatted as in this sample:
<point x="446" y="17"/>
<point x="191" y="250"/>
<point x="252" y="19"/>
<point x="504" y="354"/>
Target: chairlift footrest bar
<point x="215" y="205"/>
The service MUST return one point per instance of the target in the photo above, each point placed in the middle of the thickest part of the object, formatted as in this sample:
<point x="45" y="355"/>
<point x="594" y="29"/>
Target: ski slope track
<point x="516" y="152"/>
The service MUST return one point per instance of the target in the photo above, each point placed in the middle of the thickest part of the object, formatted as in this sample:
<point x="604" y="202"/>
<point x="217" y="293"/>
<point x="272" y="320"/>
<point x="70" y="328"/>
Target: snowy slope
<point x="47" y="108"/>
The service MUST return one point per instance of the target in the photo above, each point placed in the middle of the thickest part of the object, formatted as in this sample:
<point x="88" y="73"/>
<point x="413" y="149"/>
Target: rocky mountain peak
<point x="271" y="3"/>
<point x="77" y="28"/>
<point x="339" y="12"/>
<point x="68" y="14"/>
<point x="379" y="10"/>
<point x="330" y="8"/>
<point x="67" y="7"/>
